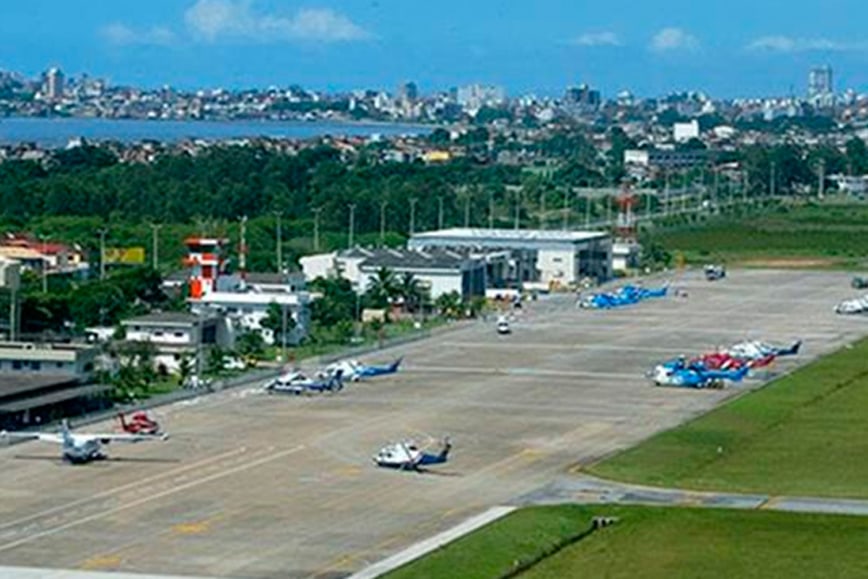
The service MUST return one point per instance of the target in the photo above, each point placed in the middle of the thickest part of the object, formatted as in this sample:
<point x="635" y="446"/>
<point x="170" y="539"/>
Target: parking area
<point x="252" y="485"/>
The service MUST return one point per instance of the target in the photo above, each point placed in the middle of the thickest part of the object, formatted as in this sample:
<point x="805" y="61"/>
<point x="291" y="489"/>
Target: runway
<point x="255" y="486"/>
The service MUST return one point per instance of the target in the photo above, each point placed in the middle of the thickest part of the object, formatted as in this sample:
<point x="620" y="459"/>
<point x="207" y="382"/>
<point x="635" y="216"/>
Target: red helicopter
<point x="139" y="423"/>
<point x="724" y="361"/>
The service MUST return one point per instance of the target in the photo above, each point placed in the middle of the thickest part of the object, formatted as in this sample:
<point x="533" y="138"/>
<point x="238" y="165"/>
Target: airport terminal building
<point x="556" y="258"/>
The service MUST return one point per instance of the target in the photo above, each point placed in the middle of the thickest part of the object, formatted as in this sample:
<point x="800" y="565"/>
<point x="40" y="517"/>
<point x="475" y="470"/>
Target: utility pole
<point x="44" y="267"/>
<point x="383" y="223"/>
<point x="716" y="187"/>
<point x="517" y="210"/>
<point x="279" y="248"/>
<point x="467" y="212"/>
<point x="608" y="210"/>
<point x="542" y="210"/>
<point x="587" y="212"/>
<point x="666" y="190"/>
<point x="352" y="232"/>
<point x="566" y="222"/>
<point x="491" y="210"/>
<point x="13" y="315"/>
<point x="647" y="207"/>
<point x="242" y="253"/>
<point x="821" y="188"/>
<point x="413" y="201"/>
<point x="773" y="180"/>
<point x="316" y="213"/>
<point x="440" y="213"/>
<point x="155" y="246"/>
<point x="102" y="234"/>
<point x="283" y="334"/>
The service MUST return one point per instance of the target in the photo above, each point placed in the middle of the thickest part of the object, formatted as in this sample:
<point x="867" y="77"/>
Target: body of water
<point x="55" y="132"/>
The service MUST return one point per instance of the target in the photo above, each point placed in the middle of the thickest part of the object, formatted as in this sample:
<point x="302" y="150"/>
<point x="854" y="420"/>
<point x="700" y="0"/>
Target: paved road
<point x="586" y="489"/>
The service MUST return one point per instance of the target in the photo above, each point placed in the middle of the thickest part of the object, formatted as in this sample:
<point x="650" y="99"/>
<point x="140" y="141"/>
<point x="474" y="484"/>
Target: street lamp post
<point x="279" y="248"/>
<point x="316" y="213"/>
<point x="413" y="201"/>
<point x="155" y="246"/>
<point x="44" y="266"/>
<point x="491" y="210"/>
<point x="467" y="212"/>
<point x="517" y="222"/>
<point x="383" y="205"/>
<point x="283" y="334"/>
<point x="352" y="224"/>
<point x="102" y="234"/>
<point x="440" y="213"/>
<point x="566" y="221"/>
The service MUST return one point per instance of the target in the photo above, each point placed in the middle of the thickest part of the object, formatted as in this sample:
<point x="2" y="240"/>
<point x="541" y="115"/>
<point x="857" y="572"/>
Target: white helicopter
<point x="408" y="455"/>
<point x="79" y="448"/>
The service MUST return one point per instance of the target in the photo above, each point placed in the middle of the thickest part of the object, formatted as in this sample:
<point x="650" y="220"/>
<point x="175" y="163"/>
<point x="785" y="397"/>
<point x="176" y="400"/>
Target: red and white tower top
<point x="205" y="262"/>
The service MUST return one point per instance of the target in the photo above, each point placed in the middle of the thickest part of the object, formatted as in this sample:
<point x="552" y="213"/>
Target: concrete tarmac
<point x="252" y="485"/>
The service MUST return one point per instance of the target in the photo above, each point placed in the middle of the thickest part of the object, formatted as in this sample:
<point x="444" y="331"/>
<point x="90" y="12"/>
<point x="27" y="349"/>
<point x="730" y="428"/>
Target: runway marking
<point x="520" y="372"/>
<point x="102" y="562"/>
<point x="196" y="528"/>
<point x="147" y="499"/>
<point x="116" y="490"/>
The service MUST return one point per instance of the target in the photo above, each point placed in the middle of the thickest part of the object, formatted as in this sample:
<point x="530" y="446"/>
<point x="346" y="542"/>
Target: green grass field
<point x="653" y="542"/>
<point x="805" y="434"/>
<point x="836" y="235"/>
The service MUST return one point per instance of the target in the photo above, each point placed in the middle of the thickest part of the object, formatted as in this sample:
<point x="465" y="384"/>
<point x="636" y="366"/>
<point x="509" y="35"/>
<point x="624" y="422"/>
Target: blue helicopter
<point x="680" y="373"/>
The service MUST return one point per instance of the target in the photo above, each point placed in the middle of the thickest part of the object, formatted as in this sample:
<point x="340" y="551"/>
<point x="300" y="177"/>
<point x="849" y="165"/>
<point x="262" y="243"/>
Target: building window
<point x="179" y="334"/>
<point x="59" y="364"/>
<point x="16" y="364"/>
<point x="36" y="365"/>
<point x="158" y="334"/>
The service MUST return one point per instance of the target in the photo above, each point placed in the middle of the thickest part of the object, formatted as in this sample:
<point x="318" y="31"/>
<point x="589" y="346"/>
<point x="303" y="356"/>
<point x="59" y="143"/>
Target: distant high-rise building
<point x="54" y="84"/>
<point x="820" y="85"/>
<point x="476" y="96"/>
<point x="582" y="96"/>
<point x="408" y="91"/>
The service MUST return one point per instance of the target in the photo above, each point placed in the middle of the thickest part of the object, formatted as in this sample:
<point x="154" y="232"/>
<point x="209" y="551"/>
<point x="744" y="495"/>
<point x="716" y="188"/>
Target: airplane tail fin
<point x="444" y="453"/>
<point x="393" y="367"/>
<point x="64" y="432"/>
<point x="792" y="350"/>
<point x="337" y="380"/>
<point x="123" y="420"/>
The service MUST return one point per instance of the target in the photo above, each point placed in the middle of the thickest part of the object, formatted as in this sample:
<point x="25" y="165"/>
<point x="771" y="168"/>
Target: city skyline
<point x="659" y="49"/>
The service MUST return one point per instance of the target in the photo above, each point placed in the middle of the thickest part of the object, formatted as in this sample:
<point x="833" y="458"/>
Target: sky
<point x="726" y="48"/>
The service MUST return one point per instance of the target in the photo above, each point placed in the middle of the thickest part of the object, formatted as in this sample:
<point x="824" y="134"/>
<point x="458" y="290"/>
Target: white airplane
<point x="408" y="456"/>
<point x="80" y="447"/>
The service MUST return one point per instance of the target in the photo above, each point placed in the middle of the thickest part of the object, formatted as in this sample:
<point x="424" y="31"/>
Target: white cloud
<point x="669" y="39"/>
<point x="598" y="39"/>
<point x="787" y="44"/>
<point x="121" y="34"/>
<point x="214" y="19"/>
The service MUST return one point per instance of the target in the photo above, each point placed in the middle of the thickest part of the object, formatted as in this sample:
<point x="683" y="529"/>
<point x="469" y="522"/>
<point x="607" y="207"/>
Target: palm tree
<point x="382" y="288"/>
<point x="411" y="292"/>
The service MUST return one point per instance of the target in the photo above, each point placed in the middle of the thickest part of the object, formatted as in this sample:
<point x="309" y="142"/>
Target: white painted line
<point x="422" y="548"/>
<point x="150" y="498"/>
<point x="522" y="372"/>
<point x="116" y="490"/>
<point x="43" y="573"/>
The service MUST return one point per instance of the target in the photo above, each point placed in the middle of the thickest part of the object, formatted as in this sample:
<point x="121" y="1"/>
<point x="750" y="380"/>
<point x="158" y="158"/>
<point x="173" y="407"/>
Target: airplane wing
<point x="43" y="436"/>
<point x="106" y="438"/>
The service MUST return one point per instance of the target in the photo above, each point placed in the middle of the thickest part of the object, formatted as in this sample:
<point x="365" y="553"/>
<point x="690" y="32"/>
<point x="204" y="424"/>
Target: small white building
<point x="175" y="334"/>
<point x="683" y="132"/>
<point x="625" y="255"/>
<point x="245" y="311"/>
<point x="439" y="271"/>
